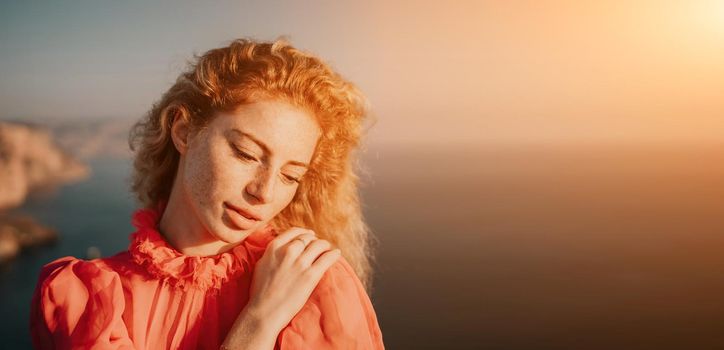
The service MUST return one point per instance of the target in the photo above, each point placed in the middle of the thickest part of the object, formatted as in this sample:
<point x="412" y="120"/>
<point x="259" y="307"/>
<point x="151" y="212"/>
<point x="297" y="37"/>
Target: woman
<point x="251" y="234"/>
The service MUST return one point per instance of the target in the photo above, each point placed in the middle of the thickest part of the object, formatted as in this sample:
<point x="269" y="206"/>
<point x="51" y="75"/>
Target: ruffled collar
<point x="150" y="250"/>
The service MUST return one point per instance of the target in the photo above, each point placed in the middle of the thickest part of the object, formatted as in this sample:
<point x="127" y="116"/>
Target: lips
<point x="245" y="213"/>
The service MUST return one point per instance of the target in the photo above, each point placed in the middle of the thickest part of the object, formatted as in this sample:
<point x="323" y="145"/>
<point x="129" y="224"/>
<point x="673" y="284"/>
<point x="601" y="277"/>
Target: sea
<point x="506" y="247"/>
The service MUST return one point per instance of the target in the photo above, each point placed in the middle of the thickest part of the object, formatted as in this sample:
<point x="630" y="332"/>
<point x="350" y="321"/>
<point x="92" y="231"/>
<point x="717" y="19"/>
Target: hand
<point x="286" y="275"/>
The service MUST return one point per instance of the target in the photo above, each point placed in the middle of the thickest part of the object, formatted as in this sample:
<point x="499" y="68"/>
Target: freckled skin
<point x="211" y="173"/>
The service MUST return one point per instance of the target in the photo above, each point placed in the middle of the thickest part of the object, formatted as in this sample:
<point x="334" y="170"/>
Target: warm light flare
<point x="710" y="16"/>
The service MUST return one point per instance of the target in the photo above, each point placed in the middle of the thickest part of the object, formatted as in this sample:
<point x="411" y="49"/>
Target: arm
<point x="78" y="305"/>
<point x="250" y="332"/>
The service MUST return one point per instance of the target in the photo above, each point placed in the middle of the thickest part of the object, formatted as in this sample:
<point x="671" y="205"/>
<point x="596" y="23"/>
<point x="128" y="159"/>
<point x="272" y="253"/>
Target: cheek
<point x="201" y="178"/>
<point x="218" y="178"/>
<point x="284" y="197"/>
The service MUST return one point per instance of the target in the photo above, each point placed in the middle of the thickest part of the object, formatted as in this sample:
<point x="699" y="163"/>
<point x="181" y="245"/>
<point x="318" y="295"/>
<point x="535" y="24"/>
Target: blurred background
<point x="540" y="174"/>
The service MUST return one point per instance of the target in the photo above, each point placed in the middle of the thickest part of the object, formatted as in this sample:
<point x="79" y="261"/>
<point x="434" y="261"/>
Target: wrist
<point x="251" y="331"/>
<point x="256" y="314"/>
<point x="258" y="320"/>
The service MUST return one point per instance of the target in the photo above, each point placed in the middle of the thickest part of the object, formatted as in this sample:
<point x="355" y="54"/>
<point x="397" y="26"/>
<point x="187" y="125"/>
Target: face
<point x="246" y="163"/>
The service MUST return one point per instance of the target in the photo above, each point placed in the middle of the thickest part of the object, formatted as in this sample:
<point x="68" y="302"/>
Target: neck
<point x="185" y="233"/>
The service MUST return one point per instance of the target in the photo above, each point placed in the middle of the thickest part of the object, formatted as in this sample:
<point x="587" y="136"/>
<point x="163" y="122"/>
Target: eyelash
<point x="243" y="154"/>
<point x="249" y="157"/>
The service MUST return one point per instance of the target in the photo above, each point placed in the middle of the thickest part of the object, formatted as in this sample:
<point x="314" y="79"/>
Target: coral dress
<point x="154" y="297"/>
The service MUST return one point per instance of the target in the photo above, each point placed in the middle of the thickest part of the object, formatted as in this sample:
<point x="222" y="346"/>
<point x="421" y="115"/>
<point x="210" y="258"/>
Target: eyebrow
<point x="265" y="147"/>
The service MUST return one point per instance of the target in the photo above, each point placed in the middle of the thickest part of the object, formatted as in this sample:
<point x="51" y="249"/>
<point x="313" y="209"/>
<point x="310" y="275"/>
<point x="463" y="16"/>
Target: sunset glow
<point x="455" y="73"/>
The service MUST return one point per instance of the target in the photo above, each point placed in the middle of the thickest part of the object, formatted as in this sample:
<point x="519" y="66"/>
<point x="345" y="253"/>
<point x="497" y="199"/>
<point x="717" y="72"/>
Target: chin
<point x="229" y="235"/>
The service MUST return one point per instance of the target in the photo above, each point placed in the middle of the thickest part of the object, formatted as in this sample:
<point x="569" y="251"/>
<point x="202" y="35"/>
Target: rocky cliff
<point x="30" y="160"/>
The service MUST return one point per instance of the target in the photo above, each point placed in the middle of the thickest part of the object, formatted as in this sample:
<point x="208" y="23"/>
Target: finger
<point x="312" y="252"/>
<point x="286" y="236"/>
<point x="291" y="251"/>
<point x="324" y="262"/>
<point x="301" y="240"/>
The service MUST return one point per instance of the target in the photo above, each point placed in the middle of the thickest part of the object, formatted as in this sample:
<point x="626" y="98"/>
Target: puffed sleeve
<point x="338" y="315"/>
<point x="77" y="305"/>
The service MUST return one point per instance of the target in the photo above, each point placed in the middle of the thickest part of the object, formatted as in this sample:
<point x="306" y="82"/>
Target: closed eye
<point x="246" y="156"/>
<point x="243" y="154"/>
<point x="291" y="178"/>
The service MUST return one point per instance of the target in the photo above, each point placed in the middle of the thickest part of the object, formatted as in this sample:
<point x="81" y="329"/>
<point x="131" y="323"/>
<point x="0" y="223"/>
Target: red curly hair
<point x="327" y="199"/>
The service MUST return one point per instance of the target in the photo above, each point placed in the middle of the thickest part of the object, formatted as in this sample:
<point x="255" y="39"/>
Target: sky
<point x="436" y="73"/>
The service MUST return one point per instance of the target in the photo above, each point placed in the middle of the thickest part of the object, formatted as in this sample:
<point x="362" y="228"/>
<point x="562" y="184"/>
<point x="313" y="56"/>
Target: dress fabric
<point x="154" y="297"/>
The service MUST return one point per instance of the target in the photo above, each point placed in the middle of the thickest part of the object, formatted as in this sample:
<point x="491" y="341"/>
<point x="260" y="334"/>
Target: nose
<point x="262" y="186"/>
